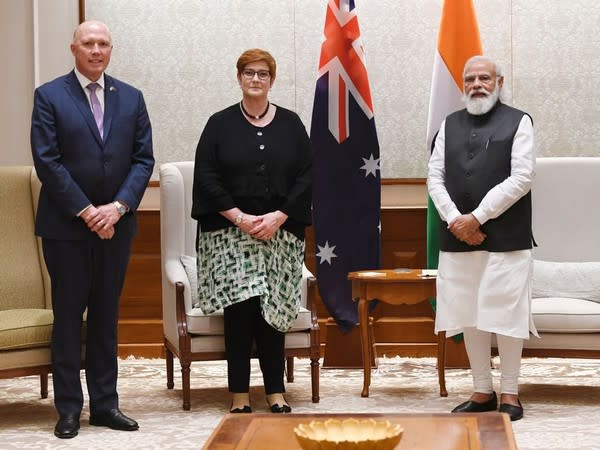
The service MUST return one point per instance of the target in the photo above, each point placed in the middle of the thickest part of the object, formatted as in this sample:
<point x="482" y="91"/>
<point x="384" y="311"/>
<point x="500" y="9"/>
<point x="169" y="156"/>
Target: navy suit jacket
<point x="76" y="166"/>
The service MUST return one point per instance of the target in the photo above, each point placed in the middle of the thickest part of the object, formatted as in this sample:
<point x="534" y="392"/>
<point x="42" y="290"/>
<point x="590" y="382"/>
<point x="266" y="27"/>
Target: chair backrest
<point x="21" y="266"/>
<point x="566" y="212"/>
<point x="177" y="232"/>
<point x="178" y="229"/>
<point x="36" y="186"/>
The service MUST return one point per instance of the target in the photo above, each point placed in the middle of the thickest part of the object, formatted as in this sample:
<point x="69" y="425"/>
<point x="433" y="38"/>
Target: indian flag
<point x="458" y="40"/>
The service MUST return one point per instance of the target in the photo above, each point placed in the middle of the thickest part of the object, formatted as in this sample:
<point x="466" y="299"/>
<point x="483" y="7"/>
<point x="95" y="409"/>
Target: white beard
<point x="479" y="106"/>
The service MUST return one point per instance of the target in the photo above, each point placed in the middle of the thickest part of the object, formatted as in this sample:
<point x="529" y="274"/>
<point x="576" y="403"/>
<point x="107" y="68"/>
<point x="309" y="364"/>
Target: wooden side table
<point x="395" y="287"/>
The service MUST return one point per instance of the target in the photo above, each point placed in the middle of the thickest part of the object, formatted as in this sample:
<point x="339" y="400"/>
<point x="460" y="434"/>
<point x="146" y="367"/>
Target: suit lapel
<point x="79" y="98"/>
<point x="111" y="96"/>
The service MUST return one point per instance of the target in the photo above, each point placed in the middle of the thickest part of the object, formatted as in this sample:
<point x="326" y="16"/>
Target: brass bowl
<point x="333" y="434"/>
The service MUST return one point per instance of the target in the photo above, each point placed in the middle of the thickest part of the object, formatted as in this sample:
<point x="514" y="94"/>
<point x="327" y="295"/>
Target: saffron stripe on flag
<point x="458" y="40"/>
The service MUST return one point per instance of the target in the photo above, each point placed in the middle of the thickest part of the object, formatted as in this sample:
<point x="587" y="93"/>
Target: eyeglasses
<point x="263" y="75"/>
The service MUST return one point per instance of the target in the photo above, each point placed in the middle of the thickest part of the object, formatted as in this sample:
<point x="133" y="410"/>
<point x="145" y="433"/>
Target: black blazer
<point x="257" y="169"/>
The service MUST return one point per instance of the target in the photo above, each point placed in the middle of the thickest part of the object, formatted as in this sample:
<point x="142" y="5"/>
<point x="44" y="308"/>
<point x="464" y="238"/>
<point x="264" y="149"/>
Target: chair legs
<point x="290" y="369"/>
<point x="44" y="385"/>
<point x="186" y="374"/>
<point x="185" y="385"/>
<point x="169" y="359"/>
<point x="314" y="375"/>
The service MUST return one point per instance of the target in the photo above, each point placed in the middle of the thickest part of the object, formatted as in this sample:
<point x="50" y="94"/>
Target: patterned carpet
<point x="561" y="399"/>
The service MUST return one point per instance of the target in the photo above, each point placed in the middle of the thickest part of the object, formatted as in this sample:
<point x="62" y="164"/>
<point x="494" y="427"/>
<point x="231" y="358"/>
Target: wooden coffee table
<point x="482" y="431"/>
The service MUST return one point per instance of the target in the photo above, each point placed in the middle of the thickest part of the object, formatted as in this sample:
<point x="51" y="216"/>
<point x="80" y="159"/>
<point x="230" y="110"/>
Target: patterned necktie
<point x="96" y="108"/>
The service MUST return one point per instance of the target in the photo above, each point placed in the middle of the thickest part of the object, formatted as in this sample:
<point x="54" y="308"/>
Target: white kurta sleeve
<point x="436" y="179"/>
<point x="508" y="192"/>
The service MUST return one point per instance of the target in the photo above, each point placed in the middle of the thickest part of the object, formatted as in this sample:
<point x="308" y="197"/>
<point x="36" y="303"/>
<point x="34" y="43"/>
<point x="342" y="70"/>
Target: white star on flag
<point x="371" y="166"/>
<point x="326" y="253"/>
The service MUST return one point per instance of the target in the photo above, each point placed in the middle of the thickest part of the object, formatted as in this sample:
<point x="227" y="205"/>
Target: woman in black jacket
<point x="252" y="200"/>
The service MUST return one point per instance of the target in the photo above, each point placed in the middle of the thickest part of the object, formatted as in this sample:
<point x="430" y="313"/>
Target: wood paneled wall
<point x="398" y="330"/>
<point x="140" y="314"/>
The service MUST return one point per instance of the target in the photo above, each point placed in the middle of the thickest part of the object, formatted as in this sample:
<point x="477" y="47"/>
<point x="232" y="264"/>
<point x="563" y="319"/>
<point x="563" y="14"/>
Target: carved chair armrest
<point x="312" y="294"/>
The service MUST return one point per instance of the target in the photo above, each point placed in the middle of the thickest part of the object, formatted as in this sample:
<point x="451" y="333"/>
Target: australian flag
<point x="347" y="180"/>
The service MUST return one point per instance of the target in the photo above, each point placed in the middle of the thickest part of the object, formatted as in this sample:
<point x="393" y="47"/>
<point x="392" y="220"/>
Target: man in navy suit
<point x="92" y="150"/>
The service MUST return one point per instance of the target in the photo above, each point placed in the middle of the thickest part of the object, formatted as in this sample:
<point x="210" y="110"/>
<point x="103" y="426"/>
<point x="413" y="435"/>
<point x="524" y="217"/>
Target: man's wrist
<point x="478" y="216"/>
<point x="83" y="212"/>
<point x="121" y="208"/>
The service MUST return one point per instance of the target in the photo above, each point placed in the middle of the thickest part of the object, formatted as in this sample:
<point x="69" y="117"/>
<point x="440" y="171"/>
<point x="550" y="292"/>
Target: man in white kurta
<point x="480" y="175"/>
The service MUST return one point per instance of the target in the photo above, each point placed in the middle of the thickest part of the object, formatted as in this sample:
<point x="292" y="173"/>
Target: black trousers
<point x="244" y="325"/>
<point x="86" y="274"/>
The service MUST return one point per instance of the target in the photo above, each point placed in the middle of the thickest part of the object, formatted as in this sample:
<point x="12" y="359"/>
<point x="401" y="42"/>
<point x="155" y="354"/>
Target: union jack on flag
<point x="343" y="57"/>
<point x="347" y="183"/>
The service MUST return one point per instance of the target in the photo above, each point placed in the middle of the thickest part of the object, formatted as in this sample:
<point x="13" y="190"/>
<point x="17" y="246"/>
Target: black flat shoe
<point x="275" y="408"/>
<point x="471" y="406"/>
<point x="515" y="412"/>
<point x="67" y="427"/>
<point x="113" y="419"/>
<point x="245" y="410"/>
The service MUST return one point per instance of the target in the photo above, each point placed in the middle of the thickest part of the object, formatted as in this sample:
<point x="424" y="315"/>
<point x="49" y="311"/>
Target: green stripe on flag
<point x="433" y="246"/>
<point x="433" y="239"/>
<point x="433" y="235"/>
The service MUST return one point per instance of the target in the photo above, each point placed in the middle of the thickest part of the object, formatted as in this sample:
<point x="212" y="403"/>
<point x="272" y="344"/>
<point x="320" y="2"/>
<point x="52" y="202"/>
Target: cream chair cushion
<point x="566" y="315"/>
<point x="212" y="324"/>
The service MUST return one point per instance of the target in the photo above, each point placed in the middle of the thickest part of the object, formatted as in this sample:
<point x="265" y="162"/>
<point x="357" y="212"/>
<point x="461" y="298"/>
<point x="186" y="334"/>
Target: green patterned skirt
<point x="233" y="267"/>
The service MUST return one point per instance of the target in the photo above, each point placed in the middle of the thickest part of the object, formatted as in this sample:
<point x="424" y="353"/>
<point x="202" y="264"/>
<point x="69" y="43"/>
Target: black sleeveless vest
<point x="477" y="158"/>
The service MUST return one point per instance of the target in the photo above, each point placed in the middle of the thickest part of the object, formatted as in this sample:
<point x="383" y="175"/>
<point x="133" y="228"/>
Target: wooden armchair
<point x="189" y="334"/>
<point x="25" y="304"/>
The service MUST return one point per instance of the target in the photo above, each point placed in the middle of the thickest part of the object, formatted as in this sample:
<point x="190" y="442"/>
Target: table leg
<point x="441" y="363"/>
<point x="363" y="317"/>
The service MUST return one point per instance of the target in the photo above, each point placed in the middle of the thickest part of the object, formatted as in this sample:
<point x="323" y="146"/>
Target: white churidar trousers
<point x="480" y="293"/>
<point x="479" y="344"/>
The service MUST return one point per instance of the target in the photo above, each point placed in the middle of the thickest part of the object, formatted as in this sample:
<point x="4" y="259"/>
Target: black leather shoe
<point x="245" y="410"/>
<point x="67" y="427"/>
<point x="471" y="406"/>
<point x="113" y="419"/>
<point x="515" y="412"/>
<point x="275" y="408"/>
